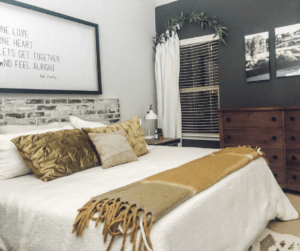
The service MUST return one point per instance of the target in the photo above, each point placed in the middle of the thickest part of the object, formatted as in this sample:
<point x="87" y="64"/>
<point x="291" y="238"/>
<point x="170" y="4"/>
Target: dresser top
<point x="270" y="108"/>
<point x="164" y="141"/>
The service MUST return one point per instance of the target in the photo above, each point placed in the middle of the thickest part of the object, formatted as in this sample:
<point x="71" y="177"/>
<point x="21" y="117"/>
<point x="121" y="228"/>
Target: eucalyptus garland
<point x="194" y="17"/>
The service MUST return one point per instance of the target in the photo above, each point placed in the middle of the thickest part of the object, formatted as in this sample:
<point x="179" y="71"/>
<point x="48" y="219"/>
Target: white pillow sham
<point x="11" y="163"/>
<point x="79" y="123"/>
<point x="149" y="147"/>
<point x="27" y="128"/>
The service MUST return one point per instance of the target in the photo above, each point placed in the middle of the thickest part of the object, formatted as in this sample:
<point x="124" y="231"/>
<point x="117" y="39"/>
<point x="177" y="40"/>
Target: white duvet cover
<point x="226" y="217"/>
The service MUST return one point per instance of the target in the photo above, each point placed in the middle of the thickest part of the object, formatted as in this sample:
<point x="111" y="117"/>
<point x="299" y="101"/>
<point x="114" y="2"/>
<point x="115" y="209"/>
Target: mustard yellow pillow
<point x="113" y="148"/>
<point x="135" y="134"/>
<point x="53" y="155"/>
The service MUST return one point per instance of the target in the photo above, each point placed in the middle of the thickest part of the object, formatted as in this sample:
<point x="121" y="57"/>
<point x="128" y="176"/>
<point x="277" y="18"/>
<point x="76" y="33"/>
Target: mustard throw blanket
<point x="137" y="206"/>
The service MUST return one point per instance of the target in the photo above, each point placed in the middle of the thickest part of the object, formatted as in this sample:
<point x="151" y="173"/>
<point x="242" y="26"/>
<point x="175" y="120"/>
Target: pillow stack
<point x="54" y="153"/>
<point x="135" y="135"/>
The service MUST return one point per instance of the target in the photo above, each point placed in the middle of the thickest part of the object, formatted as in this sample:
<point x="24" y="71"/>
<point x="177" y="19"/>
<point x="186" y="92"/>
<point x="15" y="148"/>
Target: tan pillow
<point x="135" y="134"/>
<point x="53" y="155"/>
<point x="113" y="148"/>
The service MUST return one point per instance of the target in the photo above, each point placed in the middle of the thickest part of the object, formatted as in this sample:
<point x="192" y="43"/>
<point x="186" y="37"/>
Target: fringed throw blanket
<point x="137" y="206"/>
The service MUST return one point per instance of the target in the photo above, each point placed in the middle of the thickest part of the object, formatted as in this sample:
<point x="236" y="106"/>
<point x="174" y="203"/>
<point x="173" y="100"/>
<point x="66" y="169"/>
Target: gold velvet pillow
<point x="135" y="134"/>
<point x="113" y="148"/>
<point x="53" y="155"/>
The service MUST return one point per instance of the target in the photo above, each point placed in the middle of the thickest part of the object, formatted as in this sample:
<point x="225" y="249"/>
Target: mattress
<point x="227" y="216"/>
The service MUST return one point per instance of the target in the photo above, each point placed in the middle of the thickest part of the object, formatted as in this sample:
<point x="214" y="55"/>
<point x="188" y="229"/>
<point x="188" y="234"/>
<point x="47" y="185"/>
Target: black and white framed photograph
<point x="42" y="51"/>
<point x="287" y="40"/>
<point x="257" y="57"/>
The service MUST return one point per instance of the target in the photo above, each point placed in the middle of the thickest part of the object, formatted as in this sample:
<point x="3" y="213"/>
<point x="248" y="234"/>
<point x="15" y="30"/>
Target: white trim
<point x="201" y="136"/>
<point x="197" y="40"/>
<point x="199" y="89"/>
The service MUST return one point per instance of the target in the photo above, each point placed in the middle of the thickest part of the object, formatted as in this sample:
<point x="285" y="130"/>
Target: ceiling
<point x="158" y="2"/>
<point x="162" y="2"/>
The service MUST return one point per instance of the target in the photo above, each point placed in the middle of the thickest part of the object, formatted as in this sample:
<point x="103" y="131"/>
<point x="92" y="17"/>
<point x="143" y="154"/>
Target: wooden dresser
<point x="275" y="129"/>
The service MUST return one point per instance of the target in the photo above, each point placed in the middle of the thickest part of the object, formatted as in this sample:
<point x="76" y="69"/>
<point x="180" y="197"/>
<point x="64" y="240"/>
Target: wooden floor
<point x="289" y="227"/>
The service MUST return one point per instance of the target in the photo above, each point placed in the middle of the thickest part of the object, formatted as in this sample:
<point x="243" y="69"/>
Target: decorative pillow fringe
<point x="119" y="217"/>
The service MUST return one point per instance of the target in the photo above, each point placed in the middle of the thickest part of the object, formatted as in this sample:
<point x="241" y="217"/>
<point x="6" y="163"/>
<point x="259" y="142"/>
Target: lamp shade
<point x="151" y="115"/>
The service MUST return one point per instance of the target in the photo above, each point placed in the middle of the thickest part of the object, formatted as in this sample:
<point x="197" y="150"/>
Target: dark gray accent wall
<point x="242" y="17"/>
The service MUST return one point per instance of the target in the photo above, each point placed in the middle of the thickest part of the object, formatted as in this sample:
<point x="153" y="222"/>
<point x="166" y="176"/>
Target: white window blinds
<point x="199" y="90"/>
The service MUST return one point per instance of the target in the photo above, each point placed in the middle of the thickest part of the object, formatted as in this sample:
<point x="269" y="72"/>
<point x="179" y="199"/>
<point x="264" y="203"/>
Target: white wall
<point x="126" y="29"/>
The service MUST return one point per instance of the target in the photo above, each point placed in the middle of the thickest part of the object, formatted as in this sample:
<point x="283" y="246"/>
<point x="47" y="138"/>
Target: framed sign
<point x="46" y="52"/>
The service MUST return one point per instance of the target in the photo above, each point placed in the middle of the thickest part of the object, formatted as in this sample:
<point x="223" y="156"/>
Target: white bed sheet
<point x="226" y="217"/>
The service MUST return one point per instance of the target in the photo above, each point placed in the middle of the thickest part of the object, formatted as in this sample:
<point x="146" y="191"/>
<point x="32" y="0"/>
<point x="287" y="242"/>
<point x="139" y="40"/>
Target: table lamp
<point x="150" y="116"/>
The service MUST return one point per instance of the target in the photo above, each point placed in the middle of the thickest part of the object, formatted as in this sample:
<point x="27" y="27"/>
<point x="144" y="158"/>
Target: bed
<point x="227" y="216"/>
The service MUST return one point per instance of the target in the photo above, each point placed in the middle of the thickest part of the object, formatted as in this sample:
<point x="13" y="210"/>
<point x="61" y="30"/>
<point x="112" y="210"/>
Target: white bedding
<point x="226" y="217"/>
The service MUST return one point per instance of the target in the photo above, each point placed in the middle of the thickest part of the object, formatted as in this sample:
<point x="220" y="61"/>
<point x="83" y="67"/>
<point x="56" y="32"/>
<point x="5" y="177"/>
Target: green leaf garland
<point x="194" y="17"/>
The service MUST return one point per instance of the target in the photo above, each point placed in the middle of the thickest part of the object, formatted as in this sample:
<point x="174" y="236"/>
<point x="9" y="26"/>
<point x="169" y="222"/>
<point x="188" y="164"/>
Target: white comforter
<point x="226" y="217"/>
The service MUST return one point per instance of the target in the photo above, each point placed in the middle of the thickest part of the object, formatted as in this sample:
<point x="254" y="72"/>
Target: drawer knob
<point x="228" y="119"/>
<point x="292" y="118"/>
<point x="275" y="175"/>
<point x="274" y="138"/>
<point x="228" y="137"/>
<point x="293" y="138"/>
<point x="273" y="119"/>
<point x="275" y="157"/>
<point x="294" y="158"/>
<point x="294" y="177"/>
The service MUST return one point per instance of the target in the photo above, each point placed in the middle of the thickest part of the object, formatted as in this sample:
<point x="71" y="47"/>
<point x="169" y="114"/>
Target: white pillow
<point x="11" y="163"/>
<point x="64" y="124"/>
<point x="79" y="123"/>
<point x="149" y="147"/>
<point x="28" y="128"/>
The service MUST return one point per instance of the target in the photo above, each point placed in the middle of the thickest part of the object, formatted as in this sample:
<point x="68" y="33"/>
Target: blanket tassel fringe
<point x="119" y="217"/>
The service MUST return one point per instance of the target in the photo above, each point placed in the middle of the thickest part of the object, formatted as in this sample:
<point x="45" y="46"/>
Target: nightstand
<point x="163" y="142"/>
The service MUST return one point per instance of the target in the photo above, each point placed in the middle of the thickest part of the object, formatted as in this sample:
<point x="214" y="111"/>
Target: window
<point x="199" y="88"/>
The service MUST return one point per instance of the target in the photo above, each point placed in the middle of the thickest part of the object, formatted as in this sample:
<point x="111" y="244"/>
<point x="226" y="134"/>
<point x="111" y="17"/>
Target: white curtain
<point x="167" y="64"/>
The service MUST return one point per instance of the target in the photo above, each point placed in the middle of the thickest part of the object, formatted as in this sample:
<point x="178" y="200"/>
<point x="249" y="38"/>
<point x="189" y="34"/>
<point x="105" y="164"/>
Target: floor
<point x="289" y="227"/>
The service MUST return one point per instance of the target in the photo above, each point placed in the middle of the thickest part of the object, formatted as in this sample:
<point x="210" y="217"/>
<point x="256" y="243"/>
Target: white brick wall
<point x="44" y="111"/>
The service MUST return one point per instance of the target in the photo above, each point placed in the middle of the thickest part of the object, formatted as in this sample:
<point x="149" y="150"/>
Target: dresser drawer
<point x="274" y="155"/>
<point x="278" y="173"/>
<point x="292" y="120"/>
<point x="293" y="158"/>
<point x="292" y="139"/>
<point x="255" y="119"/>
<point x="293" y="177"/>
<point x="260" y="138"/>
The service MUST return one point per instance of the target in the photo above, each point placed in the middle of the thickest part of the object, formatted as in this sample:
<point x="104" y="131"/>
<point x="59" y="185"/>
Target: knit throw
<point x="137" y="206"/>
